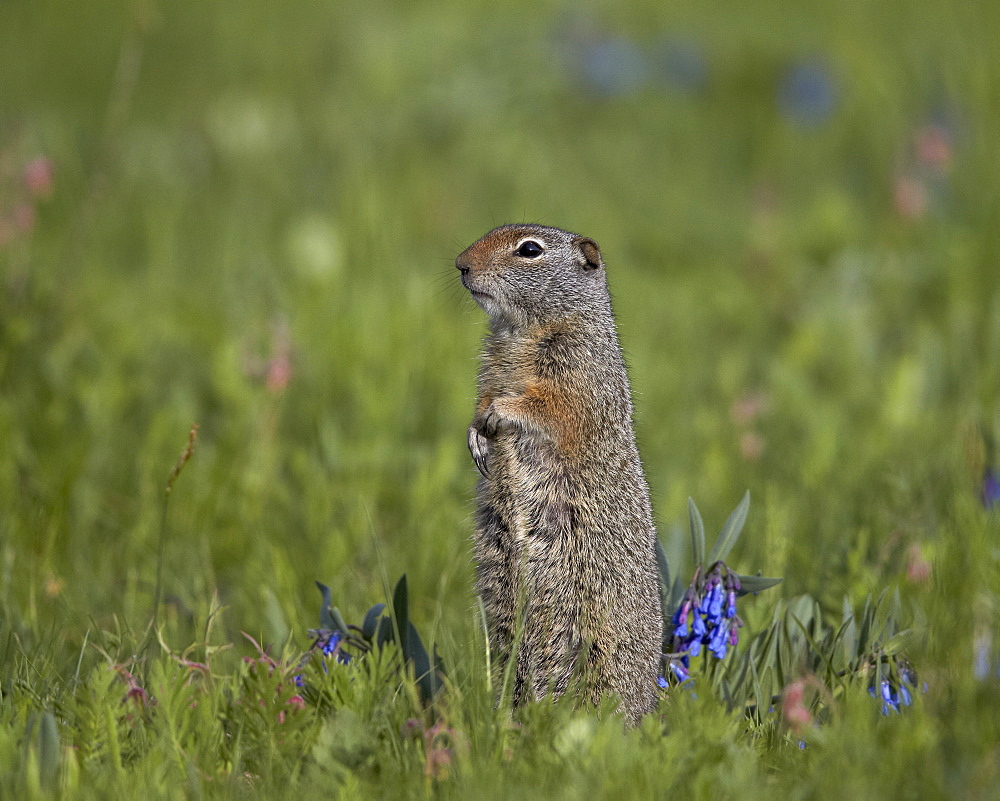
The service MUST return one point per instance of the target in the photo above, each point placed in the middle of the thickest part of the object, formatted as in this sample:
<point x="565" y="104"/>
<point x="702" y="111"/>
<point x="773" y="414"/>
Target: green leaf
<point x="897" y="642"/>
<point x="385" y="632"/>
<point x="438" y="663"/>
<point x="817" y="649"/>
<point x="417" y="654"/>
<point x="730" y="531"/>
<point x="761" y="700"/>
<point x="339" y="623"/>
<point x="370" y="624"/>
<point x="326" y="620"/>
<point x="848" y="634"/>
<point x="49" y="750"/>
<point x="697" y="534"/>
<point x="754" y="584"/>
<point x="400" y="610"/>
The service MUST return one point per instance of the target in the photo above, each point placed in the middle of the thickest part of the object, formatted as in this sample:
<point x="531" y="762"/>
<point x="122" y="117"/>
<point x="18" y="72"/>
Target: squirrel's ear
<point x="591" y="254"/>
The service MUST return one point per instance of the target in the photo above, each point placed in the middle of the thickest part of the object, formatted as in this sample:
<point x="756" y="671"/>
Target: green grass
<point x="238" y="184"/>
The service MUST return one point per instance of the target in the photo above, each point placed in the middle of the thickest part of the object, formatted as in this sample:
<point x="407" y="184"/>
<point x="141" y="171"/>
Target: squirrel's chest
<point x="507" y="367"/>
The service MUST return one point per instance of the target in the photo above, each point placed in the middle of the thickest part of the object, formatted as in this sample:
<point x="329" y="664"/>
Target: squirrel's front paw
<point x="479" y="447"/>
<point x="493" y="421"/>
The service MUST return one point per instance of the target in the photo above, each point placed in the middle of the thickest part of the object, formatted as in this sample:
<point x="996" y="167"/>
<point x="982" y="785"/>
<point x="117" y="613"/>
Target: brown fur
<point x="564" y="540"/>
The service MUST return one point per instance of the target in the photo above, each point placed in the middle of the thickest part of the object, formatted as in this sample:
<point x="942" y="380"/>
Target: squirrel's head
<point x="522" y="274"/>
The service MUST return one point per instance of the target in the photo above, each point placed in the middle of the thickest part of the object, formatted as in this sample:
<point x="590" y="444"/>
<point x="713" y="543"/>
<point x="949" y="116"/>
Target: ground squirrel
<point x="564" y="541"/>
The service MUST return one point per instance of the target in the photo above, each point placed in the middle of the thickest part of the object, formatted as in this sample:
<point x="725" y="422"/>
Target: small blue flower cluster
<point x="895" y="694"/>
<point x="892" y="698"/>
<point x="706" y="616"/>
<point x="327" y="642"/>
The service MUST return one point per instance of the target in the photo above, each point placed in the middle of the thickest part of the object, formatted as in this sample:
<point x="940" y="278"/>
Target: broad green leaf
<point x="370" y="623"/>
<point x="755" y="584"/>
<point x="817" y="649"/>
<point x="438" y="663"/>
<point x="385" y="632"/>
<point x="896" y="643"/>
<point x="730" y="531"/>
<point x="697" y="534"/>
<point x="760" y="698"/>
<point x="49" y="749"/>
<point x="417" y="654"/>
<point x="326" y="620"/>
<point x="339" y="623"/>
<point x="400" y="611"/>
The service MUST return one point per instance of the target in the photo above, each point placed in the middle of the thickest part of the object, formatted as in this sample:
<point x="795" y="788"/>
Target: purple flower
<point x="731" y="604"/>
<point x="681" y="618"/>
<point x="661" y="682"/>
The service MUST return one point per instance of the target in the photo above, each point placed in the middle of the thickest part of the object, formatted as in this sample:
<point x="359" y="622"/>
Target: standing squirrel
<point x="564" y="541"/>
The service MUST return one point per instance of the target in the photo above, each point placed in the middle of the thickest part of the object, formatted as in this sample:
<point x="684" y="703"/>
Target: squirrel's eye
<point x="530" y="249"/>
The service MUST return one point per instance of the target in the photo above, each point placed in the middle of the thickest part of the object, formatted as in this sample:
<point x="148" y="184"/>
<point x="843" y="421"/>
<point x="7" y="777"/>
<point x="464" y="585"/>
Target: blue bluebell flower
<point x="706" y="618"/>
<point x="718" y="643"/>
<point x="329" y="644"/>
<point x="680" y="671"/>
<point x="888" y="698"/>
<point x="715" y="602"/>
<point x="904" y="696"/>
<point x="893" y="693"/>
<point x="681" y="618"/>
<point x="661" y="682"/>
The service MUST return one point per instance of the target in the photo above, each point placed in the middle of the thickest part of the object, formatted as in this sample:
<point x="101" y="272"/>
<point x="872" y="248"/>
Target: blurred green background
<point x="244" y="216"/>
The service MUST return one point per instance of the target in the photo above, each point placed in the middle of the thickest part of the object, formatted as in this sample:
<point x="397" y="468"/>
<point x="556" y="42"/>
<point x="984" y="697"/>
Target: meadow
<point x="244" y="217"/>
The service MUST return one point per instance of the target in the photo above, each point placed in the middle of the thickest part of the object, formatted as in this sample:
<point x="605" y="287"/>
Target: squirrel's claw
<point x="479" y="448"/>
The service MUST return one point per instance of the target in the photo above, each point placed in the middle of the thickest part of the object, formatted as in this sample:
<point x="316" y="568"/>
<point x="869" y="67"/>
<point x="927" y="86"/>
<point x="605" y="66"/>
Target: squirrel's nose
<point x="461" y="266"/>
